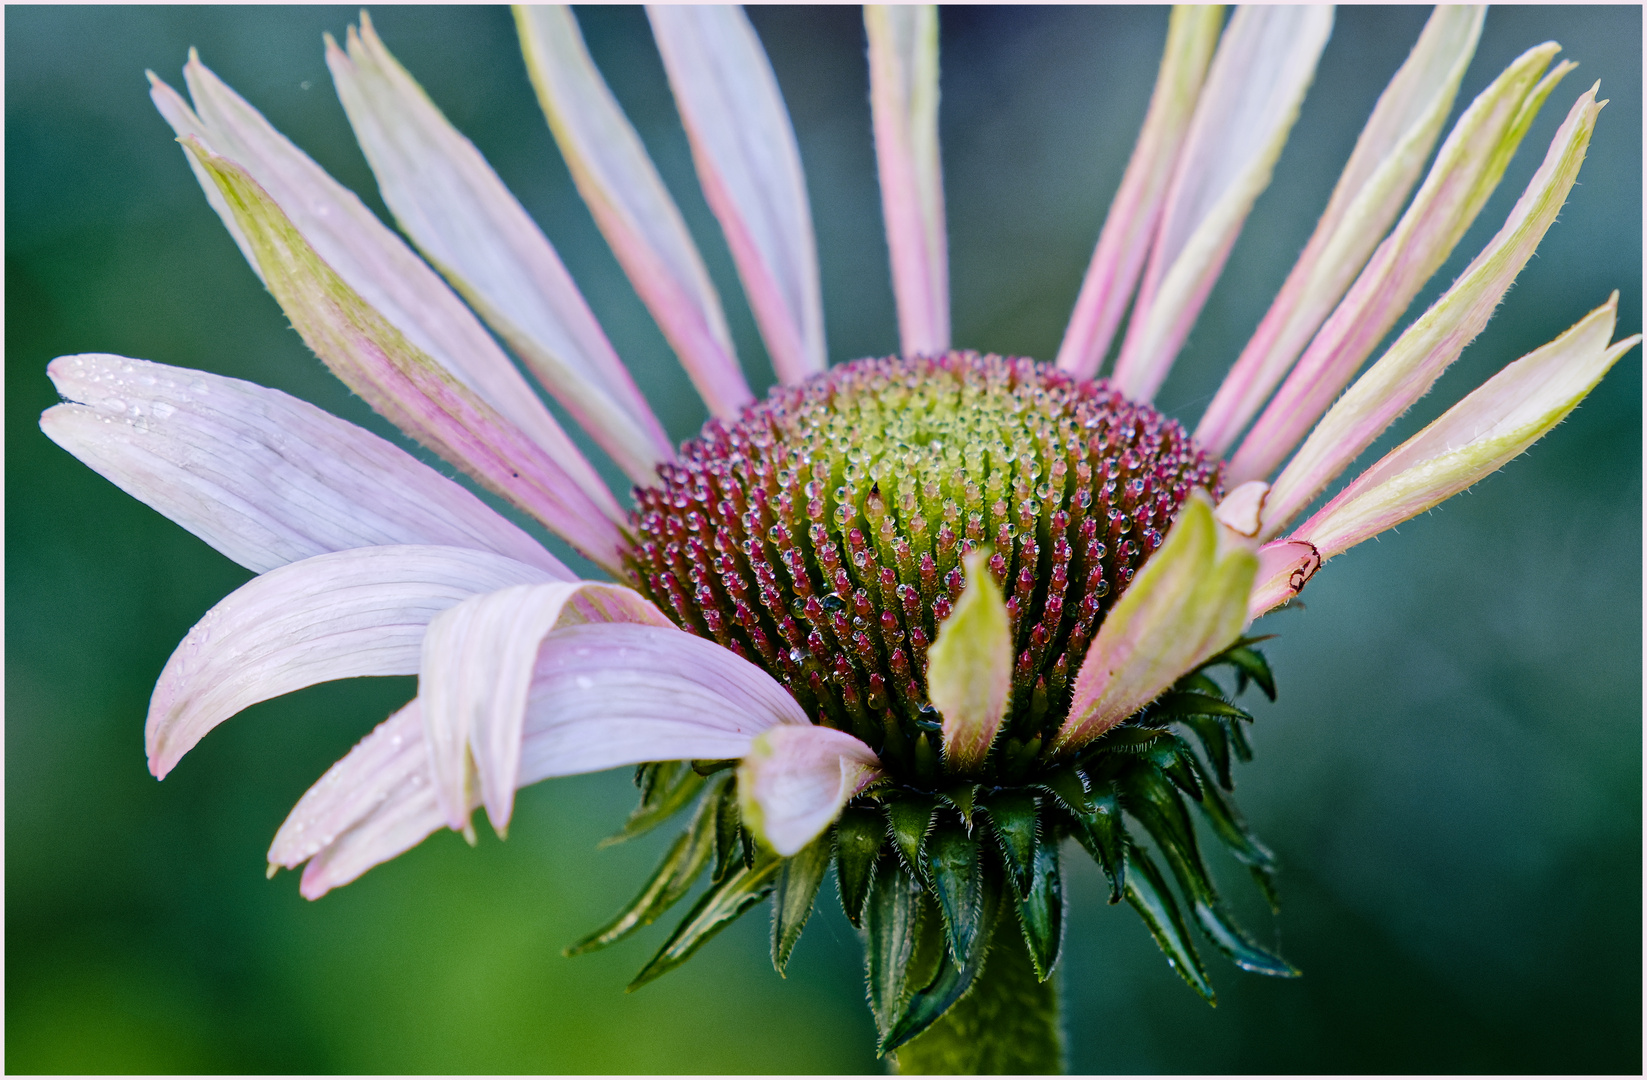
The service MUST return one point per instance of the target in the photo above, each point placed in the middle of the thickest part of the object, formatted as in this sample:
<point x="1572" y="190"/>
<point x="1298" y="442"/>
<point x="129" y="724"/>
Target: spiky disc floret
<point x="820" y="535"/>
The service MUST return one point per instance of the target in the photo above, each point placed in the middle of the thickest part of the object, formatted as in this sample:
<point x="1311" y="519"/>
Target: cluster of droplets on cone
<point x="820" y="534"/>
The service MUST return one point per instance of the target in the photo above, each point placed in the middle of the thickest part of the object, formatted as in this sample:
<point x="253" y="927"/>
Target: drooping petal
<point x="374" y="262"/>
<point x="969" y="667"/>
<point x="750" y="167"/>
<point x="1188" y="602"/>
<point x="1382" y="170"/>
<point x="795" y="779"/>
<point x="1479" y="435"/>
<point x="478" y="662"/>
<point x="343" y="615"/>
<point x="259" y="475"/>
<point x="1253" y="91"/>
<point x="459" y="214"/>
<point x="399" y="380"/>
<point x="1129" y="227"/>
<point x="603" y="695"/>
<point x="630" y="204"/>
<point x="375" y="803"/>
<point x="1419" y="356"/>
<point x="903" y="96"/>
<point x="1466" y="171"/>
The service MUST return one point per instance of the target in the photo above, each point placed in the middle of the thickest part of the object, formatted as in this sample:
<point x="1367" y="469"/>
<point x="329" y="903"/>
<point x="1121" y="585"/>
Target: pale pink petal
<point x="459" y="214"/>
<point x="1284" y="568"/>
<point x="1253" y="91"/>
<point x="343" y="615"/>
<point x="1466" y="171"/>
<point x="402" y="382"/>
<point x="903" y="97"/>
<point x="795" y="779"/>
<point x="478" y="660"/>
<point x="1129" y="228"/>
<point x="1419" y="356"/>
<point x="1385" y="164"/>
<point x="374" y="262"/>
<point x="259" y="475"/>
<point x="604" y="695"/>
<point x="1187" y="603"/>
<point x="969" y="667"/>
<point x="630" y="204"/>
<point x="1479" y="435"/>
<point x="750" y="168"/>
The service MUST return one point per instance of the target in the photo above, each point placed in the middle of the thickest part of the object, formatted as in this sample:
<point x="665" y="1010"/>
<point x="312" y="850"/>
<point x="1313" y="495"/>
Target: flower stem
<point x="1008" y="1022"/>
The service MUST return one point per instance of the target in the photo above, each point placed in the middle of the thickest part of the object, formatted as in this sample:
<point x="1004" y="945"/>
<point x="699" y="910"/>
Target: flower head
<point x="923" y="616"/>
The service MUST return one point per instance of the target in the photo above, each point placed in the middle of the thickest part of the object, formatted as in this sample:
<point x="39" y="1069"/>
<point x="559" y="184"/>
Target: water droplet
<point x="161" y="410"/>
<point x="832" y="602"/>
<point x="797" y="608"/>
<point x="927" y="718"/>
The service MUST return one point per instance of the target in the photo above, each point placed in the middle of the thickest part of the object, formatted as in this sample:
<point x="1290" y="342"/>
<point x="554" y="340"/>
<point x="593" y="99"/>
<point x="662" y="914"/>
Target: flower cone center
<point x="820" y="534"/>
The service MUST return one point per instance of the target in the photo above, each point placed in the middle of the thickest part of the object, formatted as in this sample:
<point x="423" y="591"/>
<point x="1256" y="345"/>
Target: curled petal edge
<point x="796" y="778"/>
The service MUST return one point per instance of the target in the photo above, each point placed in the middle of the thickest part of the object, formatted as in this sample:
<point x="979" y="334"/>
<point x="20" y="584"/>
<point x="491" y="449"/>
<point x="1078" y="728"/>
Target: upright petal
<point x="1465" y="173"/>
<point x="795" y="779"/>
<point x="259" y="475"/>
<point x="459" y="214"/>
<point x="903" y="97"/>
<point x="750" y="167"/>
<point x="1188" y="602"/>
<point x="630" y="204"/>
<point x="478" y="660"/>
<point x="1478" y="436"/>
<point x="969" y="667"/>
<point x="342" y="615"/>
<point x="1419" y="356"/>
<point x="1253" y="91"/>
<point x="1130" y="225"/>
<point x="401" y="381"/>
<point x="1382" y="170"/>
<point x="374" y="262"/>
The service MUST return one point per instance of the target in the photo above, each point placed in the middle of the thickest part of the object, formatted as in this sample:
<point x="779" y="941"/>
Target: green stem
<point x="1008" y="1022"/>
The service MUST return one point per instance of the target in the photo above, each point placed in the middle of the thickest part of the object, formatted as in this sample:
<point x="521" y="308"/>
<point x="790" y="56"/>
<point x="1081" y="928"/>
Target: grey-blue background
<point x="1452" y="775"/>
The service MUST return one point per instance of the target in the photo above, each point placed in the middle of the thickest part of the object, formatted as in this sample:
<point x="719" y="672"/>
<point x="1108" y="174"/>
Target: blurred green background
<point x="1452" y="775"/>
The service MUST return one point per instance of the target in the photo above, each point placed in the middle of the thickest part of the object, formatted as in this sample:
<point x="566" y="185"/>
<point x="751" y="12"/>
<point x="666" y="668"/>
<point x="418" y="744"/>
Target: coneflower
<point x="921" y="618"/>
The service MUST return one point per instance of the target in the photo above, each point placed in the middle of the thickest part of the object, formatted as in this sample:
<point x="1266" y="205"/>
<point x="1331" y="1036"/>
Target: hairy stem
<point x="1008" y="1022"/>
